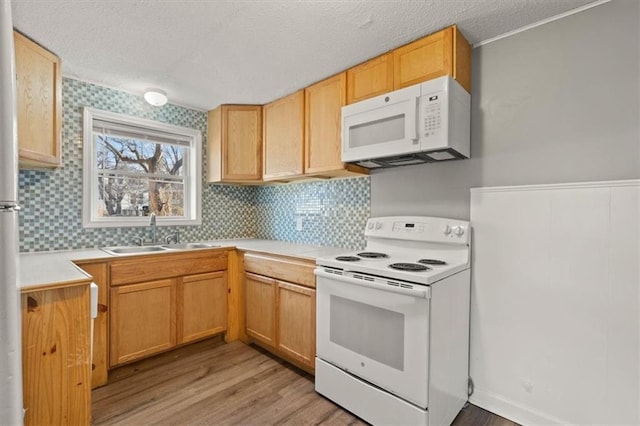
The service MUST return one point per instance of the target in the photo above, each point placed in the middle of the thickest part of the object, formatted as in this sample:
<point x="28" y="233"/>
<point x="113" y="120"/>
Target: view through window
<point x="137" y="167"/>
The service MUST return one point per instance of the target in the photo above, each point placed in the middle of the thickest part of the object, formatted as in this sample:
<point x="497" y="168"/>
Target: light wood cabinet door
<point x="201" y="306"/>
<point x="56" y="356"/>
<point x="100" y="352"/>
<point x="235" y="143"/>
<point x="372" y="78"/>
<point x="323" y="124"/>
<point x="283" y="126"/>
<point x="424" y="59"/>
<point x="260" y="299"/>
<point x="443" y="53"/>
<point x="39" y="90"/>
<point x="143" y="320"/>
<point x="297" y="323"/>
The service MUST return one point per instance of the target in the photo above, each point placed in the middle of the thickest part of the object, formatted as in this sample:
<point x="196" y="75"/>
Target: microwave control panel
<point x="432" y="104"/>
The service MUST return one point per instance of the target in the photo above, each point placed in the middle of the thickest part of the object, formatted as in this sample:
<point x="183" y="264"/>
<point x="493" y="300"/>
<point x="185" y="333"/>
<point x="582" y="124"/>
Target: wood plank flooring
<point x="212" y="383"/>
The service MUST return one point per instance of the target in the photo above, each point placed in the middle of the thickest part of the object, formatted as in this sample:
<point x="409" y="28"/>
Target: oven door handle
<point x="423" y="293"/>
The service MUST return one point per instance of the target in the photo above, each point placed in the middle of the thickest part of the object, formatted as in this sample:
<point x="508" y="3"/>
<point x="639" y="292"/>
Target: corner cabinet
<point x="162" y="301"/>
<point x="201" y="306"/>
<point x="280" y="300"/>
<point x="234" y="144"/>
<point x="39" y="103"/>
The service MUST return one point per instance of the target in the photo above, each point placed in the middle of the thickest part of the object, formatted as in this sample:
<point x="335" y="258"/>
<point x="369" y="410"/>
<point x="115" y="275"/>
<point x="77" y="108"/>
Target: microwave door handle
<point x="412" y="123"/>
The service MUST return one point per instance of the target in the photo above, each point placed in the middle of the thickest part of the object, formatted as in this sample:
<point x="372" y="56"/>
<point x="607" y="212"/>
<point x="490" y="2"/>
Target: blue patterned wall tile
<point x="333" y="212"/>
<point x="51" y="215"/>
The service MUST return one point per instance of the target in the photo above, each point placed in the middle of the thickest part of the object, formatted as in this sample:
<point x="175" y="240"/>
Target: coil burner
<point x="432" y="262"/>
<point x="373" y="255"/>
<point x="348" y="258"/>
<point x="414" y="267"/>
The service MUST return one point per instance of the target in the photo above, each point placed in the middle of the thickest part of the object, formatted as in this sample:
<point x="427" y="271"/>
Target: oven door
<point x="377" y="332"/>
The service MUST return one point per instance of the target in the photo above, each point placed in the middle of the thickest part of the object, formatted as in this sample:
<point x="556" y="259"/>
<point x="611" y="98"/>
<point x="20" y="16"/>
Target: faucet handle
<point x="175" y="238"/>
<point x="137" y="240"/>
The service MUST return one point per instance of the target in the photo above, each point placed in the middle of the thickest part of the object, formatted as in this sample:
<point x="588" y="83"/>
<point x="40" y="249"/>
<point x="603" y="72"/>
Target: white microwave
<point x="427" y="122"/>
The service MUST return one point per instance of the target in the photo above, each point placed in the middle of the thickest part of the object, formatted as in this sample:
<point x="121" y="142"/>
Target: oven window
<point x="379" y="131"/>
<point x="370" y="331"/>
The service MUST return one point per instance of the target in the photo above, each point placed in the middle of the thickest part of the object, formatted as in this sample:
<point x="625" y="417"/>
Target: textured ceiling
<point x="207" y="52"/>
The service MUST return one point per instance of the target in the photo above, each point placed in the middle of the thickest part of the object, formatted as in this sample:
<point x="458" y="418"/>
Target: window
<point x="134" y="167"/>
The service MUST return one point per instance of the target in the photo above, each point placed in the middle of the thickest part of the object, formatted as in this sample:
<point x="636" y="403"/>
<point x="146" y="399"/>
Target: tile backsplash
<point x="330" y="212"/>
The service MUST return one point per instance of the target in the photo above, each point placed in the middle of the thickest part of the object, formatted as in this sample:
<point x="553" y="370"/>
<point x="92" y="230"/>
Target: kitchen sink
<point x="187" y="246"/>
<point x="154" y="249"/>
<point x="133" y="249"/>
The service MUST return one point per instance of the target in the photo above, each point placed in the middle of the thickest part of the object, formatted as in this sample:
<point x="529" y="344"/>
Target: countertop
<point x="55" y="268"/>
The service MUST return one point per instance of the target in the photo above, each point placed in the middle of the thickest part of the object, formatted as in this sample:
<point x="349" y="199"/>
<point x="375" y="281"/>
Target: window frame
<point x="192" y="182"/>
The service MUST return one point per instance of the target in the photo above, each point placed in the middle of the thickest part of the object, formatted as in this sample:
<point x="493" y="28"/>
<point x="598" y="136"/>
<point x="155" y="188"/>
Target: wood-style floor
<point x="212" y="383"/>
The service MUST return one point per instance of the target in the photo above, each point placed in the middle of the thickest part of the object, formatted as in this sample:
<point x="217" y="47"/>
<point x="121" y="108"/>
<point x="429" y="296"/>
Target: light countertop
<point x="55" y="268"/>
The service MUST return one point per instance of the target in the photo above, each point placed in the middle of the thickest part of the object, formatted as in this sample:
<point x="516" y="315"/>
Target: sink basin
<point x="153" y="249"/>
<point x="133" y="249"/>
<point x="187" y="246"/>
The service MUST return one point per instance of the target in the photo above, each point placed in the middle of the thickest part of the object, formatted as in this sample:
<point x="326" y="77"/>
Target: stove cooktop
<point x="415" y="249"/>
<point x="414" y="268"/>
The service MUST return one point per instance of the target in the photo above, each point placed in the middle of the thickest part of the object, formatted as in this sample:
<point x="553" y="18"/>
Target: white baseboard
<point x="511" y="410"/>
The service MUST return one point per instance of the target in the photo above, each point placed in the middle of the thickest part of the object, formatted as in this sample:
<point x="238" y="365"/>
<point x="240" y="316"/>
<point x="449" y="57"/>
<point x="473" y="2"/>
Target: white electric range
<point x="392" y="322"/>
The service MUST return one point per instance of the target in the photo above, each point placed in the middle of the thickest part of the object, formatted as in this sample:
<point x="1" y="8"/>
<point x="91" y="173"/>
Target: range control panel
<point x="419" y="228"/>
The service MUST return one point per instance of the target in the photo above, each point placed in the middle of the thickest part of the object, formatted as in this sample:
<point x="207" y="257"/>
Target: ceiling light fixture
<point x="155" y="97"/>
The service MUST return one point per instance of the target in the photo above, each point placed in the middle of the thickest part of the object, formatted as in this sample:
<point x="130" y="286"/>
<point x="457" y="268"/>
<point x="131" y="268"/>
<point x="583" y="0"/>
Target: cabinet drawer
<point x="165" y="266"/>
<point x="282" y="268"/>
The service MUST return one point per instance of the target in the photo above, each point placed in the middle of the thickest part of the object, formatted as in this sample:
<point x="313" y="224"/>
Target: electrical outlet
<point x="299" y="223"/>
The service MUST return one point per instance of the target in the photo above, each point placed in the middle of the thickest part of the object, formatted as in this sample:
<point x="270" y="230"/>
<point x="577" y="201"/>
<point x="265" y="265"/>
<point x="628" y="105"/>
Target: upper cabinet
<point x="323" y="104"/>
<point x="283" y="135"/>
<point x="446" y="52"/>
<point x="372" y="78"/>
<point x="39" y="90"/>
<point x="431" y="57"/>
<point x="234" y="144"/>
<point x="299" y="135"/>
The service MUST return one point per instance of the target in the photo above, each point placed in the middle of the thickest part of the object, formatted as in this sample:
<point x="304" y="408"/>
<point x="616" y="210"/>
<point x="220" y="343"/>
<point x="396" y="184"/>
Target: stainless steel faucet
<point x="152" y="224"/>
<point x="173" y="238"/>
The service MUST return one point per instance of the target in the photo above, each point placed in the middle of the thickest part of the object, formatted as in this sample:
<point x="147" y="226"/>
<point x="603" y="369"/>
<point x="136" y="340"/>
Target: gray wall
<point x="557" y="103"/>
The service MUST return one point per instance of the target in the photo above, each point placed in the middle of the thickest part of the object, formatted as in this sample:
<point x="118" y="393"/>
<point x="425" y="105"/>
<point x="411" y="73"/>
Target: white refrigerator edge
<point x="11" y="404"/>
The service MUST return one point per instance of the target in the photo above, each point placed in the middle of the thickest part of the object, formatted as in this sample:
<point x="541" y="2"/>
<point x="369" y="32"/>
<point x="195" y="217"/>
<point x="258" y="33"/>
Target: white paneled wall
<point x="555" y="306"/>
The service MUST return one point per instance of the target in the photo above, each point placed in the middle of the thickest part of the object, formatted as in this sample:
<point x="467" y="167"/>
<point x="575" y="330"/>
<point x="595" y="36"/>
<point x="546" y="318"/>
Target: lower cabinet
<point x="142" y="320"/>
<point x="202" y="306"/>
<point x="100" y="348"/>
<point x="160" y="302"/>
<point x="260" y="296"/>
<point x="56" y="356"/>
<point x="280" y="305"/>
<point x="297" y="322"/>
